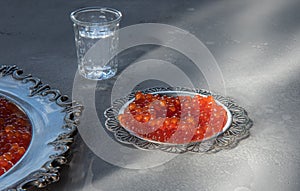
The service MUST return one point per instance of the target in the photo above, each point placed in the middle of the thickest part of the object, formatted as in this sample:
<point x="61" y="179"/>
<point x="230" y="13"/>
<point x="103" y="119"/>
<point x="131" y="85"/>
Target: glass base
<point x="97" y="74"/>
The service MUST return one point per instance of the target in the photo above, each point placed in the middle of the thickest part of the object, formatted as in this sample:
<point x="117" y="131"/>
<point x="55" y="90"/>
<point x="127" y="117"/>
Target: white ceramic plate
<point x="180" y="93"/>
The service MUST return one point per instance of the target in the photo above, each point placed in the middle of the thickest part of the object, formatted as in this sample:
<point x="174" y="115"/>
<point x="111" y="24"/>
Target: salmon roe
<point x="15" y="134"/>
<point x="173" y="119"/>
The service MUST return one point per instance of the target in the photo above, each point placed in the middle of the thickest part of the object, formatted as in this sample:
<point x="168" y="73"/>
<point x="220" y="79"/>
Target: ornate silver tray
<point x="236" y="128"/>
<point x="54" y="120"/>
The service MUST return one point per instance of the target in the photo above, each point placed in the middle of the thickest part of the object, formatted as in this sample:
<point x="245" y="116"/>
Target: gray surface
<point x="256" y="44"/>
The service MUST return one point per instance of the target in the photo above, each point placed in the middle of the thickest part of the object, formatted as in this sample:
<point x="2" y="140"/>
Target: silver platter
<point x="54" y="120"/>
<point x="236" y="128"/>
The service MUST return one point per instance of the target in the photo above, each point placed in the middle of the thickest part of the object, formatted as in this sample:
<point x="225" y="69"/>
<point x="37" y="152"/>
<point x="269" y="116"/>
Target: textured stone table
<point x="256" y="44"/>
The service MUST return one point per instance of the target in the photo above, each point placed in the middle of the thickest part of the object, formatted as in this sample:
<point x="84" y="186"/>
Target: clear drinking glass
<point x="91" y="25"/>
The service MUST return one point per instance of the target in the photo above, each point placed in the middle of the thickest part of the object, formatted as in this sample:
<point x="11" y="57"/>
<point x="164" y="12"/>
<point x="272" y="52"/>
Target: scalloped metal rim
<point x="71" y="110"/>
<point x="238" y="130"/>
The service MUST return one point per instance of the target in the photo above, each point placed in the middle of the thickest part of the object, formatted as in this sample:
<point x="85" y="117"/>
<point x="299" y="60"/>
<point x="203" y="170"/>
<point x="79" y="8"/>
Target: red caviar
<point x="173" y="119"/>
<point x="15" y="134"/>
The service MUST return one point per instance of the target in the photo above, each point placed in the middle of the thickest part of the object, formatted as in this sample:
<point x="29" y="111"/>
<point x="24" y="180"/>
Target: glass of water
<point x="96" y="38"/>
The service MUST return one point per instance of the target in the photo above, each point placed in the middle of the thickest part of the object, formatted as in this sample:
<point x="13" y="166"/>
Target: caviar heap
<point x="174" y="119"/>
<point x="15" y="134"/>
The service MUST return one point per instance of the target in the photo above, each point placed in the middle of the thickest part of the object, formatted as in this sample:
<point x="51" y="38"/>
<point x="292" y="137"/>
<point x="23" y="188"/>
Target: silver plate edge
<point x="49" y="172"/>
<point x="238" y="130"/>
